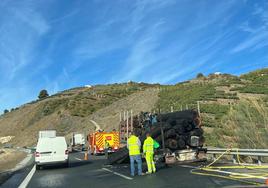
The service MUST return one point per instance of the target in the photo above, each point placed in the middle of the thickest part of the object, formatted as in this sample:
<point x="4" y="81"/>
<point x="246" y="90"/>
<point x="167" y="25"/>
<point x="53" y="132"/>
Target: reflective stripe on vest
<point x="148" y="145"/>
<point x="134" y="148"/>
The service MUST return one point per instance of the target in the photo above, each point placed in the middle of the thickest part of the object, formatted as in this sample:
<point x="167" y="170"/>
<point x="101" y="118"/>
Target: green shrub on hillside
<point x="88" y="101"/>
<point x="247" y="123"/>
<point x="257" y="77"/>
<point x="43" y="94"/>
<point x="51" y="106"/>
<point x="216" y="109"/>
<point x="184" y="94"/>
<point x="256" y="89"/>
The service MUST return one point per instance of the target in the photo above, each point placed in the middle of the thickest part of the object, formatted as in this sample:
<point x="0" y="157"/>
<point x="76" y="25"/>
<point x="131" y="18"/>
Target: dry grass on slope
<point x="25" y="122"/>
<point x="246" y="125"/>
<point x="108" y="117"/>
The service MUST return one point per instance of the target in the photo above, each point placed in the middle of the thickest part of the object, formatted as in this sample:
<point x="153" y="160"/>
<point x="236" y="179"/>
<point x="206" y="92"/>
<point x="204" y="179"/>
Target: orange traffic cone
<point x="266" y="182"/>
<point x="86" y="156"/>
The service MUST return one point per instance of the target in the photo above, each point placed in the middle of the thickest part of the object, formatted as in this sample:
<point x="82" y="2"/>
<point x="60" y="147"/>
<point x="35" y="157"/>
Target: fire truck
<point x="96" y="142"/>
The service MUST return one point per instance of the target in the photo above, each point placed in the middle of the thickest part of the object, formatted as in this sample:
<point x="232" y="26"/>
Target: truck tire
<point x="197" y="132"/>
<point x="181" y="143"/>
<point x="170" y="133"/>
<point x="186" y="114"/>
<point x="66" y="165"/>
<point x="171" y="144"/>
<point x="37" y="167"/>
<point x="180" y="129"/>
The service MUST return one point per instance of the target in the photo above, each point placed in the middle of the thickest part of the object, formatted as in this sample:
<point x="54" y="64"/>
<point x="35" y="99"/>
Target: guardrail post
<point x="259" y="160"/>
<point x="214" y="156"/>
<point x="234" y="159"/>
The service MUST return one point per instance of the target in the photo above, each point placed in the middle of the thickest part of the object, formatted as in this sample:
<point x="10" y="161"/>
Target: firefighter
<point x="106" y="148"/>
<point x="133" y="145"/>
<point x="148" y="150"/>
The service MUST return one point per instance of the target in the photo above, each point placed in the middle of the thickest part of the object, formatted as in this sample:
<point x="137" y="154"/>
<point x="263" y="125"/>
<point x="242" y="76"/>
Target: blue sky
<point x="60" y="44"/>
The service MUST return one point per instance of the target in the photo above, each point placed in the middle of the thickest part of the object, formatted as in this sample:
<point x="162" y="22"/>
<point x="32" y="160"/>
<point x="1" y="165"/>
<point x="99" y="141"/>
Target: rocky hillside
<point x="71" y="111"/>
<point x="231" y="107"/>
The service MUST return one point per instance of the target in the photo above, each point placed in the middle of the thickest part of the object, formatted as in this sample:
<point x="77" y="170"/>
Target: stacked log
<point x="179" y="129"/>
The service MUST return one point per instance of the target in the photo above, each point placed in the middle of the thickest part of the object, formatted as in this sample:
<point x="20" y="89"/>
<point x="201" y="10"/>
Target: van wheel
<point x="66" y="165"/>
<point x="37" y="167"/>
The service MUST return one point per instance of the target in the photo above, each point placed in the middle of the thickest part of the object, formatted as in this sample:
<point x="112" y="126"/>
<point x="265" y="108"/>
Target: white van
<point x="78" y="141"/>
<point x="51" y="151"/>
<point x="47" y="134"/>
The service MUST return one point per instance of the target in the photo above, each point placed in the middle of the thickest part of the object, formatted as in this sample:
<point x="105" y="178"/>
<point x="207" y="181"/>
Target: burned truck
<point x="179" y="134"/>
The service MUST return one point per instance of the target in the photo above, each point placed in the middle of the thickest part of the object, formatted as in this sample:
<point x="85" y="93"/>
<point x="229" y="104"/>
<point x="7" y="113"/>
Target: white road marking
<point x="28" y="178"/>
<point x="78" y="159"/>
<point x="118" y="174"/>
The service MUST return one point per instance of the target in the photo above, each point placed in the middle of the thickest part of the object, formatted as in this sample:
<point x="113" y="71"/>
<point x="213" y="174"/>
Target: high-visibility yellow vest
<point x="133" y="146"/>
<point x="106" y="145"/>
<point x="148" y="145"/>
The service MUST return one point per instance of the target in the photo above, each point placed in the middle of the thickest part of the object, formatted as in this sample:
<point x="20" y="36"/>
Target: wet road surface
<point x="94" y="173"/>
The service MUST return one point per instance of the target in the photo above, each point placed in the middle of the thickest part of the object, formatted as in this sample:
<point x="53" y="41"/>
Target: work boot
<point x="148" y="172"/>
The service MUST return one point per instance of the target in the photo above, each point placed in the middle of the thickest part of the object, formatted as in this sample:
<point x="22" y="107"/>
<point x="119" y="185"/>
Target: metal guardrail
<point x="235" y="151"/>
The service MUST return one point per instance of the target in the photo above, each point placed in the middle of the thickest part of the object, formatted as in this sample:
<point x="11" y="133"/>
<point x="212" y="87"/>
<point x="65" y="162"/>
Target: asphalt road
<point x="94" y="173"/>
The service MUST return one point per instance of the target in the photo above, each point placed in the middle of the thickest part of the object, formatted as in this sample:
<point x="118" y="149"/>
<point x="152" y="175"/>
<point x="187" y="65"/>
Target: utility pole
<point x="162" y="135"/>
<point x="131" y="118"/>
<point x="127" y="124"/>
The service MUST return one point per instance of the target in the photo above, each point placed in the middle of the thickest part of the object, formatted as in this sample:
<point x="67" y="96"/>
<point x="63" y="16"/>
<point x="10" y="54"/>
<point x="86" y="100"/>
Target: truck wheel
<point x="66" y="165"/>
<point x="37" y="167"/>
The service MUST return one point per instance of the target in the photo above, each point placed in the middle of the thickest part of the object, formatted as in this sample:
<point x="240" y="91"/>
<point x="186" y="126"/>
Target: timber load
<point x="173" y="131"/>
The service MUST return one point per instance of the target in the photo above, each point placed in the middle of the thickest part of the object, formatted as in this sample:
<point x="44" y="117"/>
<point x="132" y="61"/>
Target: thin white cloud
<point x="145" y="62"/>
<point x="253" y="41"/>
<point x="117" y="32"/>
<point x="247" y="28"/>
<point x="258" y="35"/>
<point x="31" y="18"/>
<point x="20" y="29"/>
